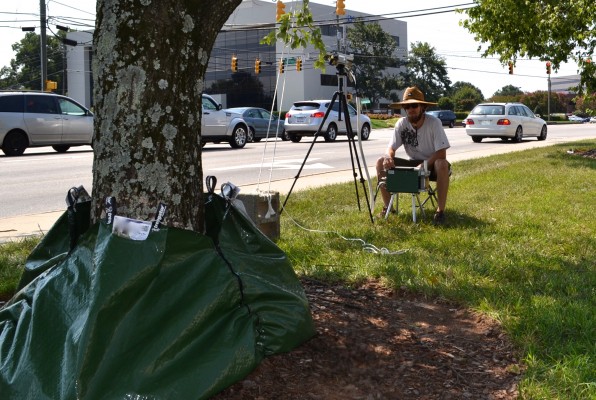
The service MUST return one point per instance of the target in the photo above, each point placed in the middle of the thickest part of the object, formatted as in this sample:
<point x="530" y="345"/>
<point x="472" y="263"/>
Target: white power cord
<point x="367" y="247"/>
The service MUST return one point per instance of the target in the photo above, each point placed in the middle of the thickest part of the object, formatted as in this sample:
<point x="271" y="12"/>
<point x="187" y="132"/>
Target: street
<point x="37" y="182"/>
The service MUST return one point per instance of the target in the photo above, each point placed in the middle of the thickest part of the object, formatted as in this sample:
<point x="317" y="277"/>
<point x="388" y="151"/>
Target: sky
<point x="441" y="30"/>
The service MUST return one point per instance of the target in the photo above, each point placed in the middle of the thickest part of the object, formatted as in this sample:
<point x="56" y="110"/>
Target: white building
<point x="240" y="37"/>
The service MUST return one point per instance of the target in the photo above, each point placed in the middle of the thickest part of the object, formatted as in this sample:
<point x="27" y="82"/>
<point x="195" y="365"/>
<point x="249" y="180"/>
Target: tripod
<point x="340" y="96"/>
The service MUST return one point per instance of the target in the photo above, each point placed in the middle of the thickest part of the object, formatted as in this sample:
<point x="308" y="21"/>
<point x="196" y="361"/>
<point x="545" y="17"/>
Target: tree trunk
<point x="149" y="66"/>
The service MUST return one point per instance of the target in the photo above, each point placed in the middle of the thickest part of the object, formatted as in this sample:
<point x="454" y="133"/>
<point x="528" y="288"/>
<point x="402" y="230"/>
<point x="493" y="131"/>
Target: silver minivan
<point x="35" y="119"/>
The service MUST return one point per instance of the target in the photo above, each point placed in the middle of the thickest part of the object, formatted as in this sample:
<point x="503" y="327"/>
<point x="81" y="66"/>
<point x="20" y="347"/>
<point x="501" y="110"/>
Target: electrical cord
<point x="366" y="247"/>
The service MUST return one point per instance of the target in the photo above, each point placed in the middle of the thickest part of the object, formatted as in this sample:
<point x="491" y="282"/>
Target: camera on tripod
<point x="340" y="60"/>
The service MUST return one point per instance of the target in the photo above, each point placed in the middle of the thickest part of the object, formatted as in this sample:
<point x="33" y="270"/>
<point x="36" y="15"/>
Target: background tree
<point x="538" y="102"/>
<point x="508" y="90"/>
<point x="557" y="31"/>
<point x="461" y="84"/>
<point x="446" y="103"/>
<point x="374" y="51"/>
<point x="467" y="97"/>
<point x="426" y="70"/>
<point x="25" y="69"/>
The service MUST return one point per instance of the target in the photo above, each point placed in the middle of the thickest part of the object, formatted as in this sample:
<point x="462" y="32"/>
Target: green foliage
<point x="467" y="97"/>
<point x="445" y="103"/>
<point x="426" y="70"/>
<point x="374" y="51"/>
<point x="508" y="90"/>
<point x="557" y="31"/>
<point x="297" y="29"/>
<point x="519" y="245"/>
<point x="25" y="69"/>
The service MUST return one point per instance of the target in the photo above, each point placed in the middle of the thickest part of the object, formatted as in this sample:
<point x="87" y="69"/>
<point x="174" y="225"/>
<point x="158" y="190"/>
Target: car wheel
<point x="61" y="148"/>
<point x="504" y="139"/>
<point x="451" y="124"/>
<point x="331" y="133"/>
<point x="239" y="136"/>
<point x="542" y="133"/>
<point x="15" y="144"/>
<point x="477" y="139"/>
<point x="285" y="136"/>
<point x="519" y="134"/>
<point x="251" y="136"/>
<point x="365" y="132"/>
<point x="295" y="138"/>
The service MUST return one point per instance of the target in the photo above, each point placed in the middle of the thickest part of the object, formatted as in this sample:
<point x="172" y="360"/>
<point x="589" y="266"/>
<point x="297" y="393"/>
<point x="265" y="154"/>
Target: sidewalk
<point x="14" y="228"/>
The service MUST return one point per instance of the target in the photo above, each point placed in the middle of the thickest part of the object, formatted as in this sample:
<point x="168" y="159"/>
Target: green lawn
<point x="519" y="245"/>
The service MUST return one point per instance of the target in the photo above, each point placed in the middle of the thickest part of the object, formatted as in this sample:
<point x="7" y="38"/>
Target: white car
<point x="593" y="120"/>
<point x="305" y="117"/>
<point x="221" y="125"/>
<point x="513" y="121"/>
<point x="575" y="118"/>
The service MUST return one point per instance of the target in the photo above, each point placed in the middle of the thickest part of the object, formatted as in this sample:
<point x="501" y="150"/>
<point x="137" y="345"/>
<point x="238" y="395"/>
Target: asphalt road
<point x="37" y="182"/>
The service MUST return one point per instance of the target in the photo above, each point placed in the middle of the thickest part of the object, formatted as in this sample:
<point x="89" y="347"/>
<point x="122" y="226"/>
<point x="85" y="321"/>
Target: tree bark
<point x="149" y="63"/>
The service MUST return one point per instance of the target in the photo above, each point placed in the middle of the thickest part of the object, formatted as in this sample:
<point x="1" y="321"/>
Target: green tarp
<point x="180" y="315"/>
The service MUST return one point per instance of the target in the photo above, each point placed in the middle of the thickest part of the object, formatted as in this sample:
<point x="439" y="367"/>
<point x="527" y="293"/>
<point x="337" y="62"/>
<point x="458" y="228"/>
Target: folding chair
<point x="408" y="180"/>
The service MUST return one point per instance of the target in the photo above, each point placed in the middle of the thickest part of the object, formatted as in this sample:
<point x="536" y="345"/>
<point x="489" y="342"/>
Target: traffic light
<point x="548" y="67"/>
<point x="234" y="64"/>
<point x="282" y="66"/>
<point x="257" y="66"/>
<point x="340" y="8"/>
<point x="281" y="10"/>
<point x="510" y="68"/>
<point x="299" y="64"/>
<point x="51" y="85"/>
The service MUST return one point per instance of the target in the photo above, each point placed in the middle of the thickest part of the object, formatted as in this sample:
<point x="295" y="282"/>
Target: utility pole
<point x="548" y="70"/>
<point x="43" y="39"/>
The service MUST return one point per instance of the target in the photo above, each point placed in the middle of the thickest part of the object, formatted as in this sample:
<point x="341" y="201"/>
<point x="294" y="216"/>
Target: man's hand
<point x="388" y="163"/>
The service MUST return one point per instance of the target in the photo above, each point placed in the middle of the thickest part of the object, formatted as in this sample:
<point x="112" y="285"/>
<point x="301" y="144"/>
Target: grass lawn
<point x="519" y="245"/>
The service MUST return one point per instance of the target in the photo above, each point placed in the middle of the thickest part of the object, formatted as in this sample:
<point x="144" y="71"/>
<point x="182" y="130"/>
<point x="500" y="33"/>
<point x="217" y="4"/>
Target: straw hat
<point x="411" y="95"/>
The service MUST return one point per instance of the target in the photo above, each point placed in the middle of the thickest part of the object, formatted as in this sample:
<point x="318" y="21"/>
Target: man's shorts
<point x="402" y="162"/>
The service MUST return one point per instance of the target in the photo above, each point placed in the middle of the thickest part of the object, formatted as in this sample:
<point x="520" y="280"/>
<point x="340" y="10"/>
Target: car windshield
<point x="435" y="113"/>
<point x="490" y="109"/>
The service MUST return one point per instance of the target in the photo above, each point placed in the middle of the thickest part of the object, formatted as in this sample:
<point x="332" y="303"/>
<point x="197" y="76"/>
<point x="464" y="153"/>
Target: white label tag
<point x="131" y="228"/>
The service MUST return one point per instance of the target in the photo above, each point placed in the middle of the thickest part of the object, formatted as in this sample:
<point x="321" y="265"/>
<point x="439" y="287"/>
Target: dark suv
<point x="447" y="117"/>
<point x="34" y="119"/>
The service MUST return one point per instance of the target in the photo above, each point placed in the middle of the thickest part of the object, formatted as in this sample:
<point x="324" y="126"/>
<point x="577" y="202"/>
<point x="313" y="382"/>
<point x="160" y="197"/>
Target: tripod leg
<point x="317" y="134"/>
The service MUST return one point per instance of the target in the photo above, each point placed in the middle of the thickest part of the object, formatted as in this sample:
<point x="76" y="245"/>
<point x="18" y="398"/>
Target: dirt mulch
<point x="373" y="343"/>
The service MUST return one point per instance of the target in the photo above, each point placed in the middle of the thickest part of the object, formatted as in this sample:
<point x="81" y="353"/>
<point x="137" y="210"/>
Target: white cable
<point x="367" y="247"/>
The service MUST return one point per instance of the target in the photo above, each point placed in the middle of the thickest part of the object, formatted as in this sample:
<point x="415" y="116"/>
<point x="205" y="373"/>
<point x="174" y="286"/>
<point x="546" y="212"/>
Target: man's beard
<point x="416" y="118"/>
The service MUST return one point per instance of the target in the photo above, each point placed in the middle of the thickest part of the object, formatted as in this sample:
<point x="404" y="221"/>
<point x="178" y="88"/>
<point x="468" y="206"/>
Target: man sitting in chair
<point x="423" y="138"/>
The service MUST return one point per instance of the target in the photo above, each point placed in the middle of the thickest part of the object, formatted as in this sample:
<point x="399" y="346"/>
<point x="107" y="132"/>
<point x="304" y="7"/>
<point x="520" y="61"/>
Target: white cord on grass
<point x="367" y="247"/>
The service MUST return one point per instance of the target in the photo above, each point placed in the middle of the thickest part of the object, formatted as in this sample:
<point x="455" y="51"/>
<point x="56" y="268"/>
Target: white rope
<point x="367" y="247"/>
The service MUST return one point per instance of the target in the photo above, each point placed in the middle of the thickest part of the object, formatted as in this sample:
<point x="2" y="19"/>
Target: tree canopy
<point x="374" y="51"/>
<point x="25" y="69"/>
<point x="508" y="90"/>
<point x="426" y="70"/>
<point x="550" y="30"/>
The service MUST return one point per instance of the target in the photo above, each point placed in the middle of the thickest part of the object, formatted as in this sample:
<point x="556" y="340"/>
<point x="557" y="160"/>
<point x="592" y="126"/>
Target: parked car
<point x="305" y="117"/>
<point x="578" y="118"/>
<point x="261" y="123"/>
<point x="447" y="117"/>
<point x="221" y="125"/>
<point x="35" y="119"/>
<point x="593" y="120"/>
<point x="504" y="120"/>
